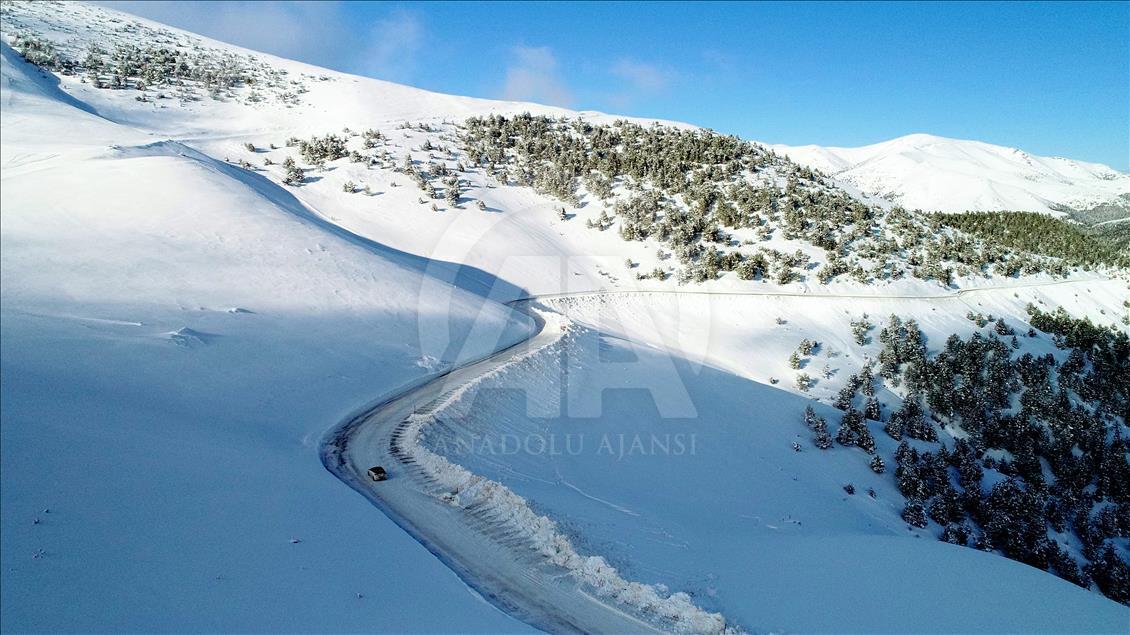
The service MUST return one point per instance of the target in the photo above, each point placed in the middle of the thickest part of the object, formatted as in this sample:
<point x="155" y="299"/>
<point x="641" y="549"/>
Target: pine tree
<point x="1065" y="566"/>
<point x="867" y="380"/>
<point x="294" y="174"/>
<point x="803" y="382"/>
<point x="877" y="465"/>
<point x="1112" y="574"/>
<point x="914" y="513"/>
<point x="909" y="479"/>
<point x="864" y="439"/>
<point x="807" y="347"/>
<point x="969" y="473"/>
<point x="893" y="428"/>
<point x="1012" y="516"/>
<point x="819" y="427"/>
<point x="956" y="534"/>
<point x="810" y="417"/>
<point x="871" y="410"/>
<point x="794" y="361"/>
<point x="859" y="329"/>
<point x="911" y="421"/>
<point x="844" y="397"/>
<point x="1003" y="329"/>
<point x="821" y="438"/>
<point x="846" y="435"/>
<point x="945" y="507"/>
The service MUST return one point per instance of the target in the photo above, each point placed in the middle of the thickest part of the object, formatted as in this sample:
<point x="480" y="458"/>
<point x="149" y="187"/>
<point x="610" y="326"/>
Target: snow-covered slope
<point x="518" y="238"/>
<point x="175" y="341"/>
<point x="952" y="175"/>
<point x="642" y="432"/>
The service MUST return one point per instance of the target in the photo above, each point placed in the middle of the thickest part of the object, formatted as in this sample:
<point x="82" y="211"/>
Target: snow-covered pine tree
<point x="871" y="410"/>
<point x="914" y="513"/>
<point x="846" y="434"/>
<point x="803" y="382"/>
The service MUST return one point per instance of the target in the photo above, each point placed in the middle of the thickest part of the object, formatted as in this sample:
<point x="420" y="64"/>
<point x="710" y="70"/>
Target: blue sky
<point x="1051" y="78"/>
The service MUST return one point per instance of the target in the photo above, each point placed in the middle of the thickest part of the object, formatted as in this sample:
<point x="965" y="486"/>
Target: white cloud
<point x="533" y="76"/>
<point x="642" y="77"/>
<point x="314" y="32"/>
<point x="393" y="45"/>
<point x="318" y="33"/>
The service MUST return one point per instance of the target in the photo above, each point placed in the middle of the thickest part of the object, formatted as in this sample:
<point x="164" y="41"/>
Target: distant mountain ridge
<point x="935" y="173"/>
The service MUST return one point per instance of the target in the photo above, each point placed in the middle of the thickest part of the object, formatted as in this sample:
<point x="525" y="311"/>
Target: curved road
<point x="506" y="572"/>
<point x="500" y="566"/>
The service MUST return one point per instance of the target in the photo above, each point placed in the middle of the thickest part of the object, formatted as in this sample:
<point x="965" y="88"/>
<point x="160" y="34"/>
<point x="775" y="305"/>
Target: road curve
<point x="496" y="563"/>
<point x="509" y="574"/>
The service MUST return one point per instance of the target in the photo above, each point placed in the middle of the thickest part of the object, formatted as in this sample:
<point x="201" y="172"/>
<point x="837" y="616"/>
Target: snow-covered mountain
<point x="953" y="175"/>
<point x="182" y="323"/>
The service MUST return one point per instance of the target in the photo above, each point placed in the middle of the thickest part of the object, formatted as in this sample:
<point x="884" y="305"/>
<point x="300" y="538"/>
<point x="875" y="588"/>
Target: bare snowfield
<point x="180" y="333"/>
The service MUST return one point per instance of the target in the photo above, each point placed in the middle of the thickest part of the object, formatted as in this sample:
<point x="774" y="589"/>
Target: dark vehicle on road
<point x="378" y="473"/>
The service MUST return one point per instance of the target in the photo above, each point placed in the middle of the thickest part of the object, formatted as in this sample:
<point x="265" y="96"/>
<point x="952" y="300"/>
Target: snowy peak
<point x="941" y="174"/>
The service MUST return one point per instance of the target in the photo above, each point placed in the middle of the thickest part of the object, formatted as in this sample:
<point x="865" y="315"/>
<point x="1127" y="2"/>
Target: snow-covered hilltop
<point x="952" y="175"/>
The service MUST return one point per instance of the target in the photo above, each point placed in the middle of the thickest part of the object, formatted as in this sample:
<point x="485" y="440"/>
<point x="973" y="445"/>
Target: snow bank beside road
<point x="512" y="514"/>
